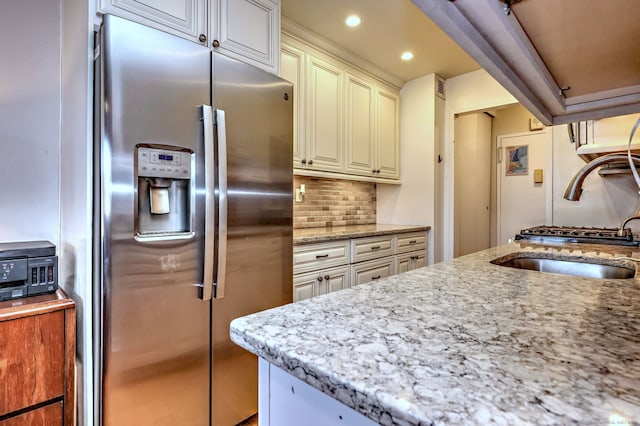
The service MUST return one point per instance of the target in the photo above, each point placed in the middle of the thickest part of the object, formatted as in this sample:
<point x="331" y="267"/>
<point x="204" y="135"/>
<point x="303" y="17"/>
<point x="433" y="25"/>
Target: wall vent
<point x="440" y="86"/>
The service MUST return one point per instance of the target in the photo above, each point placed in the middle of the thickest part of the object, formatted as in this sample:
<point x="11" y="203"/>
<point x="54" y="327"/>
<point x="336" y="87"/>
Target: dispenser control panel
<point x="164" y="163"/>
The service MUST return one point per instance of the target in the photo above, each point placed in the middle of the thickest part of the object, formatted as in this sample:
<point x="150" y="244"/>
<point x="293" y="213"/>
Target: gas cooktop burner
<point x="577" y="235"/>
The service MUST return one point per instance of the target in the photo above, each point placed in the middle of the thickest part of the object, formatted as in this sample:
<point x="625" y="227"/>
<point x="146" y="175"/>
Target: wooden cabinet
<point x="387" y="134"/>
<point x="184" y="18"/>
<point x="247" y="30"/>
<point x="324" y="149"/>
<point x="292" y="69"/>
<point x="321" y="268"/>
<point x="359" y="126"/>
<point x="37" y="355"/>
<point x="306" y="286"/>
<point x="347" y="123"/>
<point x="372" y="270"/>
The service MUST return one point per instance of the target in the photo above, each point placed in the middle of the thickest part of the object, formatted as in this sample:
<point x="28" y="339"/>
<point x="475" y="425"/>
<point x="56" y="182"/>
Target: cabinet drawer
<point x="411" y="242"/>
<point x="32" y="360"/>
<point x="372" y="271"/>
<point x="49" y="415"/>
<point x="318" y="256"/>
<point x="371" y="248"/>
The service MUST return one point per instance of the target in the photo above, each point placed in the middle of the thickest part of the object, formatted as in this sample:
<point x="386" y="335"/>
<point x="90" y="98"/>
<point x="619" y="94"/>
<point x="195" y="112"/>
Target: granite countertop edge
<point x="290" y="338"/>
<point x="303" y="236"/>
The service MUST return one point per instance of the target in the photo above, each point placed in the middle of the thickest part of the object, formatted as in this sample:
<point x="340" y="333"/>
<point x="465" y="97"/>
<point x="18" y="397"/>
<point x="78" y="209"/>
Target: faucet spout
<point x="627" y="220"/>
<point x="574" y="189"/>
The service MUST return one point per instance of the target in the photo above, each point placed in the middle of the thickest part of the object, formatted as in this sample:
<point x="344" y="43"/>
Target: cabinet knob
<point x="202" y="38"/>
<point x="303" y="161"/>
<point x="320" y="279"/>
<point x="215" y="43"/>
<point x="310" y="162"/>
<point x="327" y="277"/>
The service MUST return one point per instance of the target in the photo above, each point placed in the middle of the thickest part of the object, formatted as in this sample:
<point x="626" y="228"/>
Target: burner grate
<point x="546" y="233"/>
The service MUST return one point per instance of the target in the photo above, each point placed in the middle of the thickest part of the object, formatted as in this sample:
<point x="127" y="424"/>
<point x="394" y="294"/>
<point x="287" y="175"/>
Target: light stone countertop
<point x="318" y="235"/>
<point x="468" y="342"/>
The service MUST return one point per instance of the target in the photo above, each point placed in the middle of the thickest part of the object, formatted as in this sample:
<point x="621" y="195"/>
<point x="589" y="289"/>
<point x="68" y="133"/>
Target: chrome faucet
<point x="627" y="220"/>
<point x="574" y="190"/>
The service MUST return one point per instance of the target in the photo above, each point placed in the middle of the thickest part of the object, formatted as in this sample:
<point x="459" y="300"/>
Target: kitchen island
<point x="465" y="342"/>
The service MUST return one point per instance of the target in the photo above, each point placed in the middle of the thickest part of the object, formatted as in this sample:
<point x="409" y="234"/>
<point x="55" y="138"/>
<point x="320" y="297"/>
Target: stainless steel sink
<point x="579" y="268"/>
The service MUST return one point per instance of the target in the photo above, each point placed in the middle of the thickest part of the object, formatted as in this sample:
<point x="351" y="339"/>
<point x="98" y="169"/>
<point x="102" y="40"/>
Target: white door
<point x="523" y="202"/>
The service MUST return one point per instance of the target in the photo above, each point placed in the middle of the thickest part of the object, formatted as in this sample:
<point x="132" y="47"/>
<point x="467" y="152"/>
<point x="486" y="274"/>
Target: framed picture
<point x="517" y="160"/>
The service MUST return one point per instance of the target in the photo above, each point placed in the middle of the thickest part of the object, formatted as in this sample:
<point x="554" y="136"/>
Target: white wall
<point x="29" y="120"/>
<point x="412" y="203"/>
<point x="605" y="201"/>
<point x="75" y="185"/>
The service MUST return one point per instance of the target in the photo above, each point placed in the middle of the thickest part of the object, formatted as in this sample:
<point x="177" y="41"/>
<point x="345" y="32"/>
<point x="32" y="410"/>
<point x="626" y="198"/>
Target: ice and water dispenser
<point x="165" y="192"/>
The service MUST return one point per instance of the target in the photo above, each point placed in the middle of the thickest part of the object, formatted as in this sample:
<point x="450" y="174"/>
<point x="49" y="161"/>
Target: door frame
<point x="548" y="174"/>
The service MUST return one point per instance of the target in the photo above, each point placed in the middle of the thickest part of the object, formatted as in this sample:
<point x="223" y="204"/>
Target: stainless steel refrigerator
<point x="192" y="225"/>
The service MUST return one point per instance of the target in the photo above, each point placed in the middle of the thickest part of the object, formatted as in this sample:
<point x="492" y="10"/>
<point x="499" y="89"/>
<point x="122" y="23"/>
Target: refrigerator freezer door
<point x="259" y="132"/>
<point x="154" y="329"/>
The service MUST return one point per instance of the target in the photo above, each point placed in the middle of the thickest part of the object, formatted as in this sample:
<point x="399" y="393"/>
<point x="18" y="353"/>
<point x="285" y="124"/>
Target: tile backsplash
<point x="333" y="202"/>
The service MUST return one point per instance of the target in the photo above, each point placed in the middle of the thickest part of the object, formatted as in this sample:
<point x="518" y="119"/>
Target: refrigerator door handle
<point x="210" y="214"/>
<point x="222" y="203"/>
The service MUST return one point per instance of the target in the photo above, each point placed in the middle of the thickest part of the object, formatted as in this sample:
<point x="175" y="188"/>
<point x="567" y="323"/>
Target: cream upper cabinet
<point x="359" y="125"/>
<point x="247" y="30"/>
<point x="292" y="69"/>
<point x="388" y="134"/>
<point x="346" y="121"/>
<point x="184" y="18"/>
<point x="324" y="119"/>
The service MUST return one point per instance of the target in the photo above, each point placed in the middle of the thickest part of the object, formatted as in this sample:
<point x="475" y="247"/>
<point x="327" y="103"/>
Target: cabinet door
<point x="359" y="126"/>
<point x="336" y="279"/>
<point x="31" y="360"/>
<point x="248" y="30"/>
<point x="292" y="69"/>
<point x="304" y="286"/>
<point x="403" y="263"/>
<point x="373" y="270"/>
<point x="184" y="18"/>
<point x="388" y="134"/>
<point x="324" y="116"/>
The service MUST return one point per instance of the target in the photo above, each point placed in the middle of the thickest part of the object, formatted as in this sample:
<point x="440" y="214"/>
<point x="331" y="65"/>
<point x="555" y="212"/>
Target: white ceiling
<point x="388" y="28"/>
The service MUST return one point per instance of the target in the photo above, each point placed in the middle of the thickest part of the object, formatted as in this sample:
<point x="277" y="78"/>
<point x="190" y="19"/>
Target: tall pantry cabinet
<point x="247" y="30"/>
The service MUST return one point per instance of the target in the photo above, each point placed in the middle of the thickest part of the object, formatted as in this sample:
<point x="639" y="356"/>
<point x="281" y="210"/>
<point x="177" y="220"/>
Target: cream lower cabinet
<point x="306" y="286"/>
<point x="335" y="265"/>
<point x="372" y="270"/>
<point x="410" y="261"/>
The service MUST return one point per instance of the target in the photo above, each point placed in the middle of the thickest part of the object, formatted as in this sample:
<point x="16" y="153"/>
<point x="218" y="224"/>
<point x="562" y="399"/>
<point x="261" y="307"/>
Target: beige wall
<point x="509" y="120"/>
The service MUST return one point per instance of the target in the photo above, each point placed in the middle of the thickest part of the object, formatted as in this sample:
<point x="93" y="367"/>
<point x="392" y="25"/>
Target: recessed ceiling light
<point x="406" y="56"/>
<point x="353" y="21"/>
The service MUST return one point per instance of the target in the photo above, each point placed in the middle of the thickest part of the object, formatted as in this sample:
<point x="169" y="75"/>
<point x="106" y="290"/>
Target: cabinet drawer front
<point x="319" y="256"/>
<point x="371" y="248"/>
<point x="411" y="242"/>
<point x="48" y="415"/>
<point x="374" y="270"/>
<point x="31" y="360"/>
